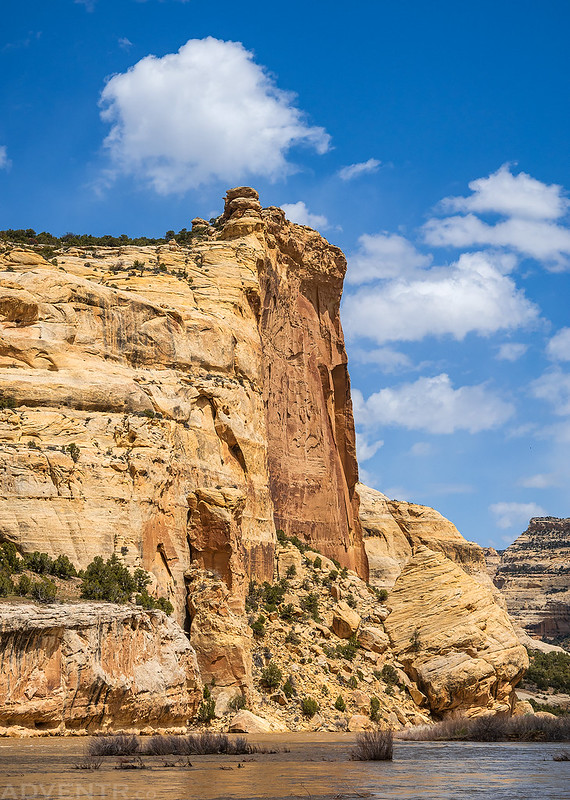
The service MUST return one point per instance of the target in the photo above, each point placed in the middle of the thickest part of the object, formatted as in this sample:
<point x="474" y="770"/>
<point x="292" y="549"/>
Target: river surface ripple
<point x="316" y="766"/>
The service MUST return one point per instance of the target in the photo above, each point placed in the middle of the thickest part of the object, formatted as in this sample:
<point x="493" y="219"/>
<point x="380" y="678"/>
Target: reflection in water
<point x="316" y="766"/>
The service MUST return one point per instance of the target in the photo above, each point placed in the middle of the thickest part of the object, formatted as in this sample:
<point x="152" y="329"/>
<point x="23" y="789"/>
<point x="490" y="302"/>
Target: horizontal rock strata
<point x="94" y="666"/>
<point x="533" y="575"/>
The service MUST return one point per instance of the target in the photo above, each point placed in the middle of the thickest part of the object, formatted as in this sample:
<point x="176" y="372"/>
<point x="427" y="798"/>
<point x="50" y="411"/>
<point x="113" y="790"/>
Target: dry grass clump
<point x="113" y="745"/>
<point x="373" y="746"/>
<point x="489" y="728"/>
<point x="196" y="744"/>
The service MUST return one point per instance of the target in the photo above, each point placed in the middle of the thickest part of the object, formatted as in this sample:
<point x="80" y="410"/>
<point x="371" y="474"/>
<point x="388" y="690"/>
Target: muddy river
<point x="315" y="766"/>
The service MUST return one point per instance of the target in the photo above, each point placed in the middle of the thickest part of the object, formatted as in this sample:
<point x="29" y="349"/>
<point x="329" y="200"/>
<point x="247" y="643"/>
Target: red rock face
<point x="310" y="427"/>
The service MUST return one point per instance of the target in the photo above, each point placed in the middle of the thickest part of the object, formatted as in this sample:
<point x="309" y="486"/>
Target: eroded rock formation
<point x="91" y="667"/>
<point x="393" y="529"/>
<point x="453" y="639"/>
<point x="533" y="575"/>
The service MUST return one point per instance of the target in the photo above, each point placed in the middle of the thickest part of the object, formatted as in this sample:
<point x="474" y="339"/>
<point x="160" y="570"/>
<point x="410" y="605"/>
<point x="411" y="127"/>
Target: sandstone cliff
<point x="176" y="405"/>
<point x="393" y="529"/>
<point x="533" y="575"/>
<point x="90" y="667"/>
<point x="204" y="388"/>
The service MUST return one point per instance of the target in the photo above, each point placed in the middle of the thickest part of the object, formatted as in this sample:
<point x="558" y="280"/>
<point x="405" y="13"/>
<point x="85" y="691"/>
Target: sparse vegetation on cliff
<point x="548" y="671"/>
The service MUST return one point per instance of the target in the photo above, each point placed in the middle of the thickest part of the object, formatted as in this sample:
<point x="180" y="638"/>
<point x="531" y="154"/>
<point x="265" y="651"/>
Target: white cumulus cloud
<point x="366" y="449"/>
<point x="531" y="213"/>
<point x="511" y="351"/>
<point x="299" y="213"/>
<point x="509" y="514"/>
<point x="355" y="170"/>
<point x="433" y="405"/>
<point x="388" y="359"/>
<point x="511" y="195"/>
<point x="472" y="295"/>
<point x="207" y="112"/>
<point x="553" y="387"/>
<point x="384" y="255"/>
<point x="558" y="348"/>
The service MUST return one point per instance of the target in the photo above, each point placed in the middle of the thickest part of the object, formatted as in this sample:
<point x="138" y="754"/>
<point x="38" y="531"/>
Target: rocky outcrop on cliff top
<point x="393" y="529"/>
<point x="204" y="389"/>
<point x="452" y="637"/>
<point x="94" y="666"/>
<point x="533" y="575"/>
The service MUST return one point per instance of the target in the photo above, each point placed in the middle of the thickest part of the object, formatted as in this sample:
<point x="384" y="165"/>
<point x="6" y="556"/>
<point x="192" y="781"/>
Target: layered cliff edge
<point x="177" y="405"/>
<point x="533" y="573"/>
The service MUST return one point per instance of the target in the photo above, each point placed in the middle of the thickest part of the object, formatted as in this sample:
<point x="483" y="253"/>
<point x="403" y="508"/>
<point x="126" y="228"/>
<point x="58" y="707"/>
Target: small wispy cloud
<point x="509" y="514"/>
<point x="19" y="44"/>
<point x="511" y="351"/>
<point x="299" y="213"/>
<point x="124" y="43"/>
<point x="89" y="4"/>
<point x="361" y="168"/>
<point x="5" y="162"/>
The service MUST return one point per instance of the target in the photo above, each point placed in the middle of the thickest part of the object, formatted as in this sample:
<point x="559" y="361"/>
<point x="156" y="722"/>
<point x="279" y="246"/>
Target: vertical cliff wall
<point x="311" y="441"/>
<point x="172" y="404"/>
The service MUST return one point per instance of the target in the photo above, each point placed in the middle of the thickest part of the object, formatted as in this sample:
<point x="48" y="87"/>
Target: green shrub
<point x="292" y="638"/>
<point x="63" y="568"/>
<point x="291" y="571"/>
<point x="350" y="600"/>
<point x="9" y="559"/>
<point x="107" y="580"/>
<point x="549" y="671"/>
<point x="333" y="575"/>
<point x="318" y="562"/>
<point x="339" y="703"/>
<point x="43" y="591"/>
<point x="38" y="562"/>
<point x="23" y="586"/>
<point x="349" y="649"/>
<point x="415" y="641"/>
<point x="258" y="626"/>
<point x="374" y="709"/>
<point x="141" y="579"/>
<point x="207" y="711"/>
<point x="288" y="688"/>
<point x="310" y="603"/>
<point x="299" y="544"/>
<point x="309" y="706"/>
<point x="353" y="682"/>
<point x="271" y="676"/>
<point x="73" y="451"/>
<point x="389" y="674"/>
<point x="147" y="601"/>
<point x="6" y="585"/>
<point x="286" y="612"/>
<point x="382" y="594"/>
<point x="281" y="537"/>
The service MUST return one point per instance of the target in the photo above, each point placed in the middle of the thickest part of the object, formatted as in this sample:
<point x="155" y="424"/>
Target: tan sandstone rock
<point x="246" y="722"/>
<point x="392" y="530"/>
<point x="345" y="620"/>
<point x="94" y="666"/>
<point x="454" y="641"/>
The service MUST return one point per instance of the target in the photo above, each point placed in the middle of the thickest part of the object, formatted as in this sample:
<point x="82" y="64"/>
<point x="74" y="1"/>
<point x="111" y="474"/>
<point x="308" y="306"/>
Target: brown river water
<point x="315" y="766"/>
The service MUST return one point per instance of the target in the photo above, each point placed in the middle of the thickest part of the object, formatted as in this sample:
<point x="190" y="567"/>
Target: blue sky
<point x="428" y="139"/>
